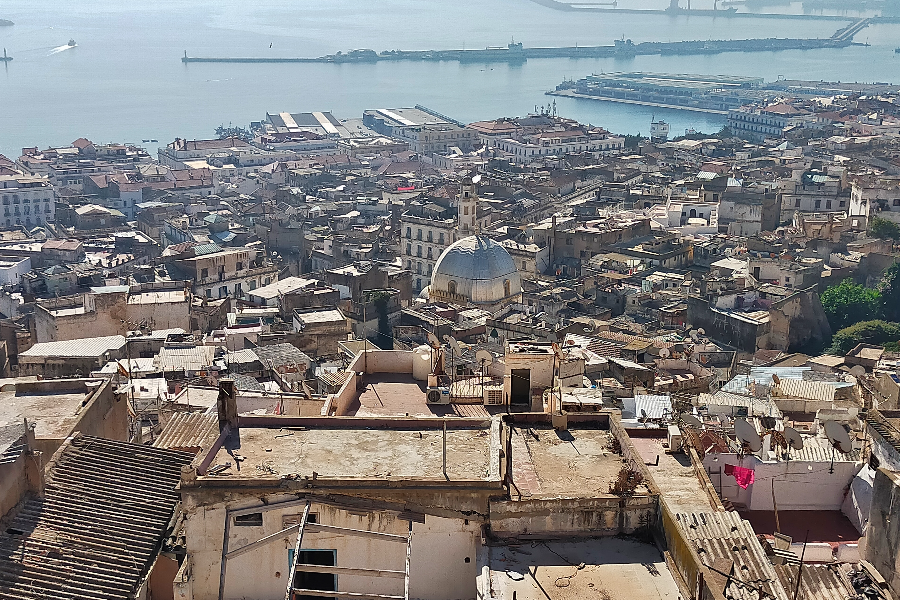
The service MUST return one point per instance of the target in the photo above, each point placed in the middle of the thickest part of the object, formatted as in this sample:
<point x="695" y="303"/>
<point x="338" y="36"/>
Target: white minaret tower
<point x="468" y="199"/>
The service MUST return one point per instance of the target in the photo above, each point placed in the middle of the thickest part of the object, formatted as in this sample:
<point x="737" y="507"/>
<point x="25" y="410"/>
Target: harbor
<point x="516" y="52"/>
<point x="711" y="94"/>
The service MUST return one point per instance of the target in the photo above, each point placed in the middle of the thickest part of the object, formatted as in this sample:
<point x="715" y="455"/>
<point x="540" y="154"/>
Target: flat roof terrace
<point x="398" y="395"/>
<point x="342" y="448"/>
<point x="576" y="463"/>
<point x="54" y="412"/>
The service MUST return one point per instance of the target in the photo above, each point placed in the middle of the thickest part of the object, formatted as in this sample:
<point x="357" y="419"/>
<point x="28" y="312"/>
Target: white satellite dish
<point x="664" y="352"/>
<point x="454" y="344"/>
<point x="476" y="179"/>
<point x="793" y="438"/>
<point x="433" y="340"/>
<point x="858" y="371"/>
<point x="838" y="436"/>
<point x="701" y="331"/>
<point x="693" y="334"/>
<point x="746" y="433"/>
<point x="692" y="421"/>
<point x="484" y="357"/>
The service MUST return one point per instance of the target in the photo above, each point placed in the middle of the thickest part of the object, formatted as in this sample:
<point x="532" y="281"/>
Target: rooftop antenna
<point x="747" y="435"/>
<point x="839" y="439"/>
<point x="485" y="358"/>
<point x="691" y="421"/>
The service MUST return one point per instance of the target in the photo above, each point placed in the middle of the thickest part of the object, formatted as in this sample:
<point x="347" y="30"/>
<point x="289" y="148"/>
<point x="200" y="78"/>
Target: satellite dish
<point x="483" y="356"/>
<point x="433" y="340"/>
<point x="858" y="371"/>
<point x="664" y="352"/>
<point x="693" y="334"/>
<point x="454" y="344"/>
<point x="746" y="433"/>
<point x="776" y="379"/>
<point x="643" y="418"/>
<point x="838" y="436"/>
<point x="701" y="331"/>
<point x="692" y="421"/>
<point x="768" y="422"/>
<point x="793" y="437"/>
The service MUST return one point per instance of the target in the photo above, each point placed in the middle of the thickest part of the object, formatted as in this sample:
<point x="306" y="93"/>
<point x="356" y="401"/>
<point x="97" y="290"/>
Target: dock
<point x="517" y="53"/>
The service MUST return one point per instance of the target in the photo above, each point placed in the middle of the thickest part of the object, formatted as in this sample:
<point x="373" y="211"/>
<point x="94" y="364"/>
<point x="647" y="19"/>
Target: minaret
<point x="468" y="199"/>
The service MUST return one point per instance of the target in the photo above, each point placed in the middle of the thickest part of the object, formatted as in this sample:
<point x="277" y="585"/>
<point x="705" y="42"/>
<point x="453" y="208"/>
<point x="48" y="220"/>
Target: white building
<point x="28" y="200"/>
<point x="558" y="143"/>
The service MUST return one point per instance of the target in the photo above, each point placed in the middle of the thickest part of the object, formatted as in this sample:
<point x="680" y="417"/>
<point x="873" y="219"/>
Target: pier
<point x="517" y="53"/>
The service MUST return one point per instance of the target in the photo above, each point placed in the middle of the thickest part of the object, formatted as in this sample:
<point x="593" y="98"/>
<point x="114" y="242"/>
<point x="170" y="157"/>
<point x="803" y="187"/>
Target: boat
<point x="897" y="50"/>
<point x="6" y="23"/>
<point x="72" y="43"/>
<point x="5" y="58"/>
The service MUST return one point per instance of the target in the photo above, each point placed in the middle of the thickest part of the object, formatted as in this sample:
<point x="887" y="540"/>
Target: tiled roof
<point x="97" y="529"/>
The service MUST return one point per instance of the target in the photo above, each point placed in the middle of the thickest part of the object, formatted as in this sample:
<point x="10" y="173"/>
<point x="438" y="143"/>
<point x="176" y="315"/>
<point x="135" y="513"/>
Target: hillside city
<point x="328" y="357"/>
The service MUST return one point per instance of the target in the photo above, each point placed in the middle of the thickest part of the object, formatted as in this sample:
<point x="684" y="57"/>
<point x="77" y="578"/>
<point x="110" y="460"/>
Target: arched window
<point x="506" y="286"/>
<point x="451" y="287"/>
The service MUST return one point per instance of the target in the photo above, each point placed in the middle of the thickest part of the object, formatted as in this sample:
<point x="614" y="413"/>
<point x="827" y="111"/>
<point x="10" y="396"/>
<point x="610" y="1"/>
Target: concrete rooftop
<point x="614" y="569"/>
<point x="577" y="463"/>
<point x="361" y="450"/>
<point x="674" y="476"/>
<point x="55" y="414"/>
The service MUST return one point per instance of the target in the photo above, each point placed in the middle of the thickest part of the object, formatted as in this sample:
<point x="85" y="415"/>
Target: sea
<point x="124" y="81"/>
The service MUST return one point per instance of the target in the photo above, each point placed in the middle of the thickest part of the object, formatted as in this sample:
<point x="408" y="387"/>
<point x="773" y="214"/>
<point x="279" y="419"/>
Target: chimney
<point x="227" y="403"/>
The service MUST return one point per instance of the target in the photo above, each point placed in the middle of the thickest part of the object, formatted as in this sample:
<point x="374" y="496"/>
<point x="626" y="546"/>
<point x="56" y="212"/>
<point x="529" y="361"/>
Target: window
<point x="506" y="287"/>
<point x="524" y="265"/>
<point x="818" y="204"/>
<point x="419" y="250"/>
<point x="223" y="291"/>
<point x="408" y="232"/>
<point x="429" y="235"/>
<point x="441" y="238"/>
<point x="418" y="268"/>
<point x="204" y="273"/>
<point x="451" y="287"/>
<point x="429" y="251"/>
<point x="238" y="290"/>
<point x="251" y="520"/>
<point x="252" y="284"/>
<point x="419" y="234"/>
<point x="828" y="204"/>
<point x="239" y="266"/>
<point x="797" y="203"/>
<point x="465" y="210"/>
<point x="209" y="293"/>
<point x="842" y="203"/>
<point x="896" y="201"/>
<point x="409" y="249"/>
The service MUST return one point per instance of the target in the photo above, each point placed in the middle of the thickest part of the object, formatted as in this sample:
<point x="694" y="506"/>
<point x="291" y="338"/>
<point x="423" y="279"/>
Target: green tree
<point x="879" y="333"/>
<point x="890" y="293"/>
<point x="884" y="229"/>
<point x="848" y="303"/>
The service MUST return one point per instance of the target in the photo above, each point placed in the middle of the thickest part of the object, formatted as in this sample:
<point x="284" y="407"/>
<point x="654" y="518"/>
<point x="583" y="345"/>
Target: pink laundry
<point x="744" y="476"/>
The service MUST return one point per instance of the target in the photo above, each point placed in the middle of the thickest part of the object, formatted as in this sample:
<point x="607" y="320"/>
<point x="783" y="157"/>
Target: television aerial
<point x="747" y="435"/>
<point x="433" y="341"/>
<point x="793" y="438"/>
<point x="691" y="421"/>
<point x="838" y="436"/>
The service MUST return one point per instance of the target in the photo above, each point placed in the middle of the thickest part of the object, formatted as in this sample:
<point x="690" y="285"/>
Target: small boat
<point x="5" y="58"/>
<point x="72" y="43"/>
<point x="897" y="50"/>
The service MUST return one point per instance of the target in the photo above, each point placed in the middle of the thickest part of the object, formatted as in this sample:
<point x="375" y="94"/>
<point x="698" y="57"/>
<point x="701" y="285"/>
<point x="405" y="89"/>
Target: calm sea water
<point x="124" y="81"/>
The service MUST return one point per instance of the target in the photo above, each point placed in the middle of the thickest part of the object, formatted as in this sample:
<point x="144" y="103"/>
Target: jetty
<point x="517" y="53"/>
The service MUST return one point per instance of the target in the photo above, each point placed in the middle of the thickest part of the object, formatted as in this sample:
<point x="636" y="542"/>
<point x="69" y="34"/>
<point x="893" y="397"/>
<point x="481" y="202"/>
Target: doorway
<point x="520" y="386"/>
<point x="315" y="581"/>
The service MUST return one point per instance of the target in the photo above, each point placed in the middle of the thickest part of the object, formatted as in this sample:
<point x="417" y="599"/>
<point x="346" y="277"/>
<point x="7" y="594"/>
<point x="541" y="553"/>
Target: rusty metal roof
<point x="189" y="431"/>
<point x="97" y="529"/>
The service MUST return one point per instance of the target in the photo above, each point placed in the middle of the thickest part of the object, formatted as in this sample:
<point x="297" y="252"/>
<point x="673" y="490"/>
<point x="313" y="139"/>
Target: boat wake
<point x="59" y="49"/>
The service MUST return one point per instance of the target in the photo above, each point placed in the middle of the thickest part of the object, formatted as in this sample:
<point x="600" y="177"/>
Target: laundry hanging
<point x="744" y="477"/>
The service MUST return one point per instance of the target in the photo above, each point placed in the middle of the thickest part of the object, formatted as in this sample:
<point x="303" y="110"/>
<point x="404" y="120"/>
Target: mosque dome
<point x="475" y="270"/>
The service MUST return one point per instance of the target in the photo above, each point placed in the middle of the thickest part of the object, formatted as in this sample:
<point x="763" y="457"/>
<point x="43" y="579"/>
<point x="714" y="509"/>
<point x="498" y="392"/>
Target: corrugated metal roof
<point x="81" y="348"/>
<point x="189" y="431"/>
<point x="178" y="359"/>
<point x="812" y="390"/>
<point x="818" y="582"/>
<point x="725" y="535"/>
<point x="655" y="406"/>
<point x="820" y="449"/>
<point x="97" y="528"/>
<point x="280" y="355"/>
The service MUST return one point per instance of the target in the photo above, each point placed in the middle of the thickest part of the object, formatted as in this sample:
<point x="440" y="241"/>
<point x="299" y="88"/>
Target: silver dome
<point x="478" y="269"/>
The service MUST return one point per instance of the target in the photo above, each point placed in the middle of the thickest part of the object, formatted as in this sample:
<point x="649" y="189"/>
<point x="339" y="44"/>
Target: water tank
<point x="421" y="363"/>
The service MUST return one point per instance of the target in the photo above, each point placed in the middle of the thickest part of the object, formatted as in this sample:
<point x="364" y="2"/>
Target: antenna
<point x="746" y="433"/>
<point x="793" y="438"/>
<point x="691" y="421"/>
<point x="838" y="436"/>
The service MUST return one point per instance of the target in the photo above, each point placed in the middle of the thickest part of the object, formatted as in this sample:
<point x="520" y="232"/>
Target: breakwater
<point x="516" y="53"/>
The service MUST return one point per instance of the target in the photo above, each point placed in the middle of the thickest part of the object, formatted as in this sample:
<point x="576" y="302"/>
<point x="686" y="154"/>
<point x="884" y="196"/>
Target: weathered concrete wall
<point x="438" y="566"/>
<point x="606" y="515"/>
<point x="883" y="534"/>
